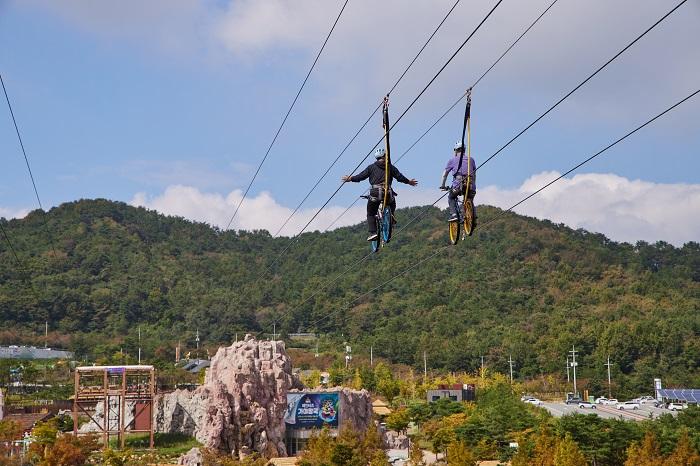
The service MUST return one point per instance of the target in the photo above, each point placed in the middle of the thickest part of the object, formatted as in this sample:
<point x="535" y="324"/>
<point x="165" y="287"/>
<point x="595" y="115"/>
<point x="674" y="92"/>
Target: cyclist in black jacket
<point x="375" y="173"/>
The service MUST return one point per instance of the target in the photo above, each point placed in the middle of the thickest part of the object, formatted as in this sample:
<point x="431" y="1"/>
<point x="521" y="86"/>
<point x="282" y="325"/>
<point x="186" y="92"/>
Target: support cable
<point x="357" y="133"/>
<point x="29" y="168"/>
<point x="284" y="120"/>
<point x="504" y="212"/>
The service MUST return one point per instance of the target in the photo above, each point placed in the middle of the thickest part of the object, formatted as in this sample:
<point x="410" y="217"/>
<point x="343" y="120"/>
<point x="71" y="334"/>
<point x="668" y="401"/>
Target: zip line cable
<point x="603" y="66"/>
<point x="9" y="243"/>
<point x="556" y="104"/>
<point x="29" y="168"/>
<point x="284" y="120"/>
<point x="295" y="238"/>
<point x="502" y="213"/>
<point x="426" y="209"/>
<point x="493" y="65"/>
<point x="435" y="31"/>
<point x="479" y="80"/>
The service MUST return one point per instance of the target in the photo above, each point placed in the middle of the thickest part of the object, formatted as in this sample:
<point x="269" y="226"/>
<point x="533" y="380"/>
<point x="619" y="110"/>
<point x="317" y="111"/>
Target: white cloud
<point x="260" y="212"/>
<point x="622" y="209"/>
<point x="9" y="213"/>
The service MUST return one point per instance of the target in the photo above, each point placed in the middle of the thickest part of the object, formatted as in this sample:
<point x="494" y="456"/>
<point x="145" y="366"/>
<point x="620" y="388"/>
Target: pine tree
<point x="459" y="454"/>
<point x="645" y="453"/>
<point x="568" y="453"/>
<point x="684" y="453"/>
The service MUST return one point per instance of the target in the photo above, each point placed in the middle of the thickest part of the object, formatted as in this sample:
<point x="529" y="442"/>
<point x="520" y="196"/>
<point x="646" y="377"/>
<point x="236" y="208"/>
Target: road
<point x="645" y="412"/>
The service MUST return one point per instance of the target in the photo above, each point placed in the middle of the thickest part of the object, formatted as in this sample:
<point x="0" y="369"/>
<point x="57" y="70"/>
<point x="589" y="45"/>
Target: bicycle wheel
<point x="374" y="245"/>
<point x="454" y="232"/>
<point x="387" y="224"/>
<point x="468" y="217"/>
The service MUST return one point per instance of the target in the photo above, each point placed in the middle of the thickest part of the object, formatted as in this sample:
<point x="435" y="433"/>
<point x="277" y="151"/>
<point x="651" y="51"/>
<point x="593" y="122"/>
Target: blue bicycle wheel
<point x="387" y="224"/>
<point x="374" y="245"/>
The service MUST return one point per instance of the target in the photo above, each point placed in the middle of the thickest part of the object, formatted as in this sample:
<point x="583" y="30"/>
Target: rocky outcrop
<point x="395" y="441"/>
<point x="240" y="408"/>
<point x="191" y="458"/>
<point x="97" y="422"/>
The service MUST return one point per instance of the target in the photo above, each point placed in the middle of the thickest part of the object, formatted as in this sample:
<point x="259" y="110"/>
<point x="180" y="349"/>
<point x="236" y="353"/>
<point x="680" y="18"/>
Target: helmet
<point x="459" y="145"/>
<point x="379" y="153"/>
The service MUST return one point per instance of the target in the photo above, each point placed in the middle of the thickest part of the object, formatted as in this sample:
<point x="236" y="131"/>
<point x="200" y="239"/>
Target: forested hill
<point x="519" y="286"/>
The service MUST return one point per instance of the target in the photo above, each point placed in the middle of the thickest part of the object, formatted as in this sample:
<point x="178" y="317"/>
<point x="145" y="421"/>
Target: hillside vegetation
<point x="519" y="286"/>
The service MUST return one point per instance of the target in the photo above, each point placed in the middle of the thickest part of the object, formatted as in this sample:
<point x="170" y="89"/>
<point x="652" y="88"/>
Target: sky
<point x="171" y="104"/>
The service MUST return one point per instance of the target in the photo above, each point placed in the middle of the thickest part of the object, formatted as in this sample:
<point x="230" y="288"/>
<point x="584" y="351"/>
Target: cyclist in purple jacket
<point x="459" y="180"/>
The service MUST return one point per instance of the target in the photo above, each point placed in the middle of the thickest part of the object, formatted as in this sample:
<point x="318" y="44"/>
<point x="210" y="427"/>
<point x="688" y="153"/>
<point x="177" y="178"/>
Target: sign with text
<point x="312" y="410"/>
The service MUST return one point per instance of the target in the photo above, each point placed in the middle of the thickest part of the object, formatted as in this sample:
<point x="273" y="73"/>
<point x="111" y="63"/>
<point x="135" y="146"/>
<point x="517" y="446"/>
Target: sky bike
<point x="465" y="207"/>
<point x="385" y="224"/>
<point x="465" y="218"/>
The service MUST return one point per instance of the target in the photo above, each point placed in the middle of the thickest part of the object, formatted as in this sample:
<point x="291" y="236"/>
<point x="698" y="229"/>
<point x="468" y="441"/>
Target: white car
<point x="586" y="405"/>
<point x="533" y="401"/>
<point x="607" y="401"/>
<point x="676" y="406"/>
<point x="627" y="405"/>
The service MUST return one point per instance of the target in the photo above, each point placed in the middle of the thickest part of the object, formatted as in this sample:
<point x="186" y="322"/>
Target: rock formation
<point x="240" y="408"/>
<point x="191" y="458"/>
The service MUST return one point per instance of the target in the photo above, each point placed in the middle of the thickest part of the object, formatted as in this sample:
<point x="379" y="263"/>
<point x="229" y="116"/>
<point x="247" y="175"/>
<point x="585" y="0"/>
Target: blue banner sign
<point x="312" y="410"/>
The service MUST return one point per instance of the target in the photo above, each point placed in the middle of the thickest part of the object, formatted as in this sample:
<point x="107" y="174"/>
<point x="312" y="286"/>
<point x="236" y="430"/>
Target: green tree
<point x="645" y="453"/>
<point x="568" y="453"/>
<point x="459" y="454"/>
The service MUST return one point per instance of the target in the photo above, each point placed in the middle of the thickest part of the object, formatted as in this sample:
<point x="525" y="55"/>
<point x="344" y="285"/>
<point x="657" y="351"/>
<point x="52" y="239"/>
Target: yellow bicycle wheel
<point x="454" y="232"/>
<point x="468" y="217"/>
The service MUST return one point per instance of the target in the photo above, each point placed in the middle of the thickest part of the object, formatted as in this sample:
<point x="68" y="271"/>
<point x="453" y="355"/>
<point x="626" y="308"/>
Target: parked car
<point x="573" y="400"/>
<point x="648" y="400"/>
<point x="607" y="401"/>
<point x="533" y="401"/>
<point x="586" y="405"/>
<point x="625" y="405"/>
<point x="676" y="406"/>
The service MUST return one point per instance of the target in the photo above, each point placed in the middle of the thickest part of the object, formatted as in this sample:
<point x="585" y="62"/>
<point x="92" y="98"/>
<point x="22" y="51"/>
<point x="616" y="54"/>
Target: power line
<point x="295" y="238"/>
<point x="504" y="212"/>
<point x="396" y="83"/>
<point x="603" y="66"/>
<point x="483" y="75"/>
<point x="284" y="120"/>
<point x="556" y="104"/>
<point x="29" y="168"/>
<point x="9" y="243"/>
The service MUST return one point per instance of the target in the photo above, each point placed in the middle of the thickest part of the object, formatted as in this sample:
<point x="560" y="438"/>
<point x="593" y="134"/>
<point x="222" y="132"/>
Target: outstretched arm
<point x="363" y="175"/>
<point x="398" y="176"/>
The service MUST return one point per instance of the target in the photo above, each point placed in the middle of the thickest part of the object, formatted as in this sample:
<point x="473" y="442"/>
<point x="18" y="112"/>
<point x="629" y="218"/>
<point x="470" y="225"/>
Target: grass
<point x="173" y="444"/>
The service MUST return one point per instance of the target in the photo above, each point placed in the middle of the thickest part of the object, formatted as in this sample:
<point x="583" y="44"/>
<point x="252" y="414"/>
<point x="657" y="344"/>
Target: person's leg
<point x="372" y="207"/>
<point x="452" y="202"/>
<point x="392" y="206"/>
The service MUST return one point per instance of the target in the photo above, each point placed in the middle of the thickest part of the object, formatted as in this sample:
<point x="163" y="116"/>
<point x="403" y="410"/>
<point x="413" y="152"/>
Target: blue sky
<point x="171" y="105"/>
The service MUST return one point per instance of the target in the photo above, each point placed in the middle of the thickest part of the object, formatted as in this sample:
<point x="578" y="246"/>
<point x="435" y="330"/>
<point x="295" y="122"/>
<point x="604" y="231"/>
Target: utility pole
<point x="348" y="356"/>
<point x="510" y="362"/>
<point x="139" y="345"/>
<point x="609" y="382"/>
<point x="425" y="366"/>
<point x="316" y="353"/>
<point x="46" y="335"/>
<point x="574" y="364"/>
<point x="197" y="341"/>
<point x="482" y="366"/>
<point x="568" y="377"/>
<point x="371" y="356"/>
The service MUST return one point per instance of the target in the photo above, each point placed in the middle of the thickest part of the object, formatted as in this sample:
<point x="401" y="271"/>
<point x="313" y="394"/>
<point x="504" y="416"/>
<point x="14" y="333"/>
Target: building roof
<point x="113" y="368"/>
<point x="379" y="402"/>
<point x="381" y="410"/>
<point x="31" y="352"/>
<point x="27" y="421"/>
<point x="288" y="461"/>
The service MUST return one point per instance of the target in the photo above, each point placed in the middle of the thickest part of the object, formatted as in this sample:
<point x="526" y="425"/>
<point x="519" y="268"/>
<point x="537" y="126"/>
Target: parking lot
<point x="645" y="411"/>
